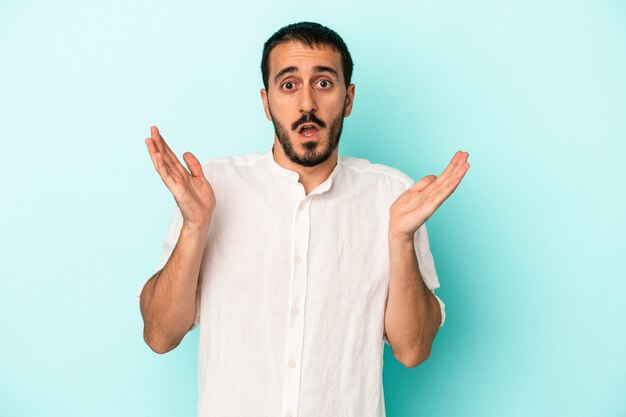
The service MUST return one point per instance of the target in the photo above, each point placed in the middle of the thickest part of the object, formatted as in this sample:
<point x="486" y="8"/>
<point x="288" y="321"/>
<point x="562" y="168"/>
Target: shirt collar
<point x="293" y="176"/>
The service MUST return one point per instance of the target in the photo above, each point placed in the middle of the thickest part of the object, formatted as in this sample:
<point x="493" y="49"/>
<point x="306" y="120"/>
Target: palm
<point x="413" y="207"/>
<point x="190" y="188"/>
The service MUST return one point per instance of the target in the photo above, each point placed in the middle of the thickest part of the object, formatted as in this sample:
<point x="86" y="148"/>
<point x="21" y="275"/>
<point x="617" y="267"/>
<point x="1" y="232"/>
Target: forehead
<point x="303" y="57"/>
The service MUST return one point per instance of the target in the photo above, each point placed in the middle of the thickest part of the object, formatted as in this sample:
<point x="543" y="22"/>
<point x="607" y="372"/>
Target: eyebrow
<point x="317" y="68"/>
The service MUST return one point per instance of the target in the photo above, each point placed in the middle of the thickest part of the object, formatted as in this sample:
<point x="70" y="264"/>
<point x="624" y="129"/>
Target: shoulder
<point x="227" y="165"/>
<point x="376" y="172"/>
<point x="236" y="161"/>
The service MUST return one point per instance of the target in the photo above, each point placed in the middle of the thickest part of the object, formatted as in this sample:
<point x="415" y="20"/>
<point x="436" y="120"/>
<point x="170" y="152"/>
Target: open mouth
<point x="308" y="130"/>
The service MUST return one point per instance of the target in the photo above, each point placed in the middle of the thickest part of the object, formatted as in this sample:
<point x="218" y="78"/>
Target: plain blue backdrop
<point x="529" y="249"/>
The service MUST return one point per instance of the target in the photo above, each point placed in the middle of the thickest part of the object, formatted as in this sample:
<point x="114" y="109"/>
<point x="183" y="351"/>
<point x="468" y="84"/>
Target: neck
<point x="310" y="177"/>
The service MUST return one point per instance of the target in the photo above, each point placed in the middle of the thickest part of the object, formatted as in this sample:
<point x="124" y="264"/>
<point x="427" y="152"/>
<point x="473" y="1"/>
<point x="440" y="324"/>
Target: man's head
<point x="306" y="70"/>
<point x="312" y="35"/>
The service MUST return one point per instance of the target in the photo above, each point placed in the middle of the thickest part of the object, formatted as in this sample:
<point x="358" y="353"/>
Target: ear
<point x="349" y="101"/>
<point x="266" y="104"/>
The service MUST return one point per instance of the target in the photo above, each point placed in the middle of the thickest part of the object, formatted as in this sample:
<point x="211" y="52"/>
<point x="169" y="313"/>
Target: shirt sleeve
<point x="171" y="238"/>
<point x="427" y="266"/>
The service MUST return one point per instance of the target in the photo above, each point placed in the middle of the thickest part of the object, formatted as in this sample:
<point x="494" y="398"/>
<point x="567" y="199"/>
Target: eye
<point x="289" y="85"/>
<point x="324" y="84"/>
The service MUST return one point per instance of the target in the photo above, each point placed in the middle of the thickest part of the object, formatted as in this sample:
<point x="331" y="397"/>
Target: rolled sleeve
<point x="426" y="265"/>
<point x="442" y="306"/>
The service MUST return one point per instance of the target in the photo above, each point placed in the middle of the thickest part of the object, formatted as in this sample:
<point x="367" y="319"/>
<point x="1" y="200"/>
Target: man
<point x="297" y="264"/>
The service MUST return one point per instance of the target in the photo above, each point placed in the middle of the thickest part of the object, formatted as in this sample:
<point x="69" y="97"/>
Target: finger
<point x="193" y="164"/>
<point x="437" y="193"/>
<point x="167" y="151"/>
<point x="156" y="138"/>
<point x="152" y="149"/>
<point x="461" y="167"/>
<point x="456" y="171"/>
<point x="451" y="185"/>
<point x="423" y="183"/>
<point x="168" y="156"/>
<point x="451" y="166"/>
<point x="161" y="166"/>
<point x="159" y="143"/>
<point x="164" y="172"/>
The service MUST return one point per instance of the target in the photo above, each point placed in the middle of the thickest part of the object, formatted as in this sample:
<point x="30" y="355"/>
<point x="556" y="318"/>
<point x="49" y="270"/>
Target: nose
<point x="307" y="100"/>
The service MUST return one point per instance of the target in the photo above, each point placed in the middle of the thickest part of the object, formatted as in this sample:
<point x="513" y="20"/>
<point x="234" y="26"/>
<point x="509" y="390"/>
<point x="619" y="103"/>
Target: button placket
<point x="295" y="325"/>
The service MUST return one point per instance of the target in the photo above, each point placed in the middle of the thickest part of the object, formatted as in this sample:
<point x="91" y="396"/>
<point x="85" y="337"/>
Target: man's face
<point x="306" y="100"/>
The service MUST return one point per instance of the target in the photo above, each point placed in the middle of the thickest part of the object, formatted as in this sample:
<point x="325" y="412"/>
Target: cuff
<point x="443" y="308"/>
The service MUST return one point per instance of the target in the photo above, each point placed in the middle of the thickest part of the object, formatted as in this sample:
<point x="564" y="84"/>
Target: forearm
<point x="412" y="315"/>
<point x="167" y="301"/>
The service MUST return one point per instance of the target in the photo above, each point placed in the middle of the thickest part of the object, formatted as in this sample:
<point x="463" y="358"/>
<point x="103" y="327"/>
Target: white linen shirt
<point x="294" y="288"/>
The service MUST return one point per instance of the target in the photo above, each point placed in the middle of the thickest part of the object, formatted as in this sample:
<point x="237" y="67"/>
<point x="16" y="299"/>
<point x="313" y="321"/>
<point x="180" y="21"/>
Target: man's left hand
<point x="413" y="207"/>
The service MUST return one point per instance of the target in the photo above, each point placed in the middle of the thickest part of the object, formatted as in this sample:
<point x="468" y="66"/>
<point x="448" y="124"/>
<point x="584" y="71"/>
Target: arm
<point x="413" y="315"/>
<point x="167" y="301"/>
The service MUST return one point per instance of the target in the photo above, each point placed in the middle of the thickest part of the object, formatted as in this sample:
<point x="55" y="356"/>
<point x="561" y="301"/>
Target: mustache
<point x="307" y="118"/>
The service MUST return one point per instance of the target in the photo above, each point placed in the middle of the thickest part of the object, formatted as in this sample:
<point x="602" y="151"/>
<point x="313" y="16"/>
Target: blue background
<point x="529" y="249"/>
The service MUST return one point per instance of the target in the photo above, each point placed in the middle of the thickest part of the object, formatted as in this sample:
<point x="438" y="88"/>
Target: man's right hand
<point x="192" y="191"/>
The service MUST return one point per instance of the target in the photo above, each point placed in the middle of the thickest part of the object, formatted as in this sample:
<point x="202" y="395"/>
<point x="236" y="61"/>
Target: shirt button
<point x="298" y="259"/>
<point x="292" y="364"/>
<point x="295" y="310"/>
<point x="301" y="206"/>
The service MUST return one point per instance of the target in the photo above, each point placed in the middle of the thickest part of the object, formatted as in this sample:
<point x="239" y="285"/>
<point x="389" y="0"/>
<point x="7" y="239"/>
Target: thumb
<point x="193" y="164"/>
<point x="423" y="183"/>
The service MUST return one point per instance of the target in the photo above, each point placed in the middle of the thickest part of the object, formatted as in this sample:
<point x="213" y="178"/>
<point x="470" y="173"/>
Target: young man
<point x="297" y="264"/>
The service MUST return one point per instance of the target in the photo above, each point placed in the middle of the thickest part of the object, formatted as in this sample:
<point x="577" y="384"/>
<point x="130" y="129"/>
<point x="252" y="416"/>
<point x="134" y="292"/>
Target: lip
<point x="313" y="125"/>
<point x="313" y="136"/>
<point x="308" y="125"/>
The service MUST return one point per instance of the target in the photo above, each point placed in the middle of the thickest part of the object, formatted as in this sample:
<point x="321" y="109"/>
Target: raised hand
<point x="191" y="190"/>
<point x="413" y="207"/>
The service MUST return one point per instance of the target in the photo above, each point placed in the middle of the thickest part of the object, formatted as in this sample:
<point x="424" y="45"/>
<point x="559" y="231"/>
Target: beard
<point x="314" y="153"/>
